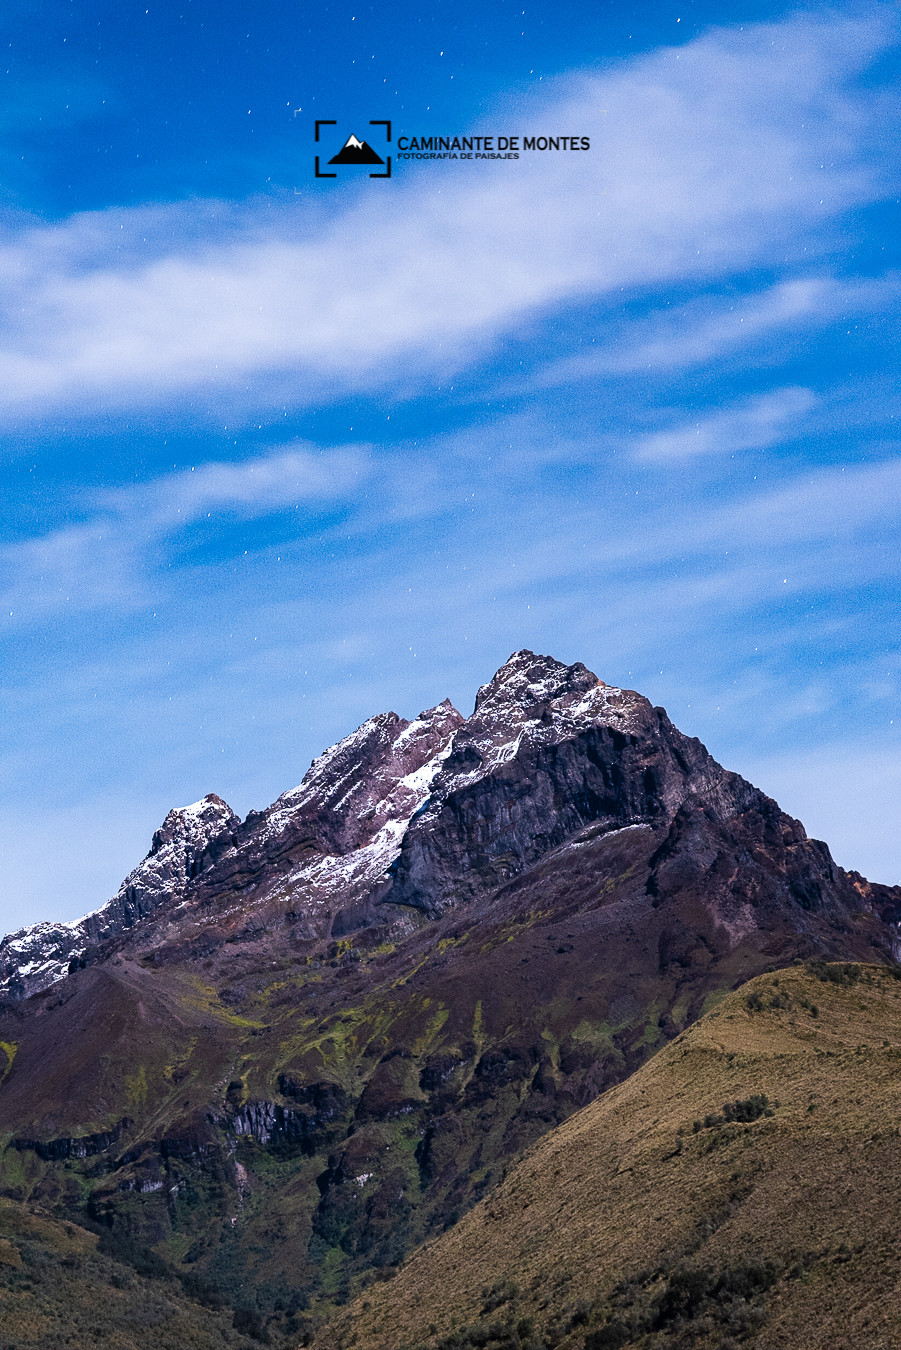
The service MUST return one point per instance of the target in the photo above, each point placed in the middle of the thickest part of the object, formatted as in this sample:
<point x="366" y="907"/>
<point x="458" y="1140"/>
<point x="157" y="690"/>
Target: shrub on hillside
<point x="740" y="1112"/>
<point x="834" y="973"/>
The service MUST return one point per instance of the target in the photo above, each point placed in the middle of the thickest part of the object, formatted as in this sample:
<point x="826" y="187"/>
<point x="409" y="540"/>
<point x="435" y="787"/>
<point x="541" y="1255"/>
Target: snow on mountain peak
<point x="528" y="679"/>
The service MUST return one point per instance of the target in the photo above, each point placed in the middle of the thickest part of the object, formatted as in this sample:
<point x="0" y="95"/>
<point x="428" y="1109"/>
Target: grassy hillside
<point x="59" y="1288"/>
<point x="742" y="1187"/>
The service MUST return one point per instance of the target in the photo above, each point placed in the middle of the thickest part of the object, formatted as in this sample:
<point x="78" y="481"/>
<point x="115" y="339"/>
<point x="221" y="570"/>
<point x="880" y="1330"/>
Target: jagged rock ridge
<point x="34" y="958"/>
<point x="440" y="811"/>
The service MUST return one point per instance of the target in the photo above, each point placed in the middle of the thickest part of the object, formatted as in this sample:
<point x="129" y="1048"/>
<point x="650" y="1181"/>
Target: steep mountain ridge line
<point x="207" y="835"/>
<point x="34" y="958"/>
<point x="357" y="777"/>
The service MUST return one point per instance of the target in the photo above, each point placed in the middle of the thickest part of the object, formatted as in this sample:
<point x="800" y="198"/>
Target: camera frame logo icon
<point x="354" y="153"/>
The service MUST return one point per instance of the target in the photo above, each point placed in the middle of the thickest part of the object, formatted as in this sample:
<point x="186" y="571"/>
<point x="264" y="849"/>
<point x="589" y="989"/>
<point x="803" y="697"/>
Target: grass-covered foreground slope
<point x="742" y="1187"/>
<point x="58" y="1288"/>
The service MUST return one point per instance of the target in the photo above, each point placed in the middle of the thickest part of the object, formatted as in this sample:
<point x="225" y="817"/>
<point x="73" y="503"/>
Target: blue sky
<point x="279" y="453"/>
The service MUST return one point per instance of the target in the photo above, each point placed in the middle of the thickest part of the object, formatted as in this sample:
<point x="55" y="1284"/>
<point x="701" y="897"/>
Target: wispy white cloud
<point x="115" y="557"/>
<point x="837" y="502"/>
<point x="712" y="327"/>
<point x="703" y="158"/>
<point x="751" y="425"/>
<point x="252" y="487"/>
<point x="102" y="562"/>
<point x="706" y="330"/>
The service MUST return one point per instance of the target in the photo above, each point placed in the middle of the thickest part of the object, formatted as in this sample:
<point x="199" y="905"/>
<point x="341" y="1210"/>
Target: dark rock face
<point x="85" y="1146"/>
<point x="275" y="1126"/>
<point x="303" y="1128"/>
<point x="549" y="750"/>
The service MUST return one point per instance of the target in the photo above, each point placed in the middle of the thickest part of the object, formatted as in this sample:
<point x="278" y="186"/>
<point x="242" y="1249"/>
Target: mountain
<point x="741" y="1188"/>
<point x="294" y="1047"/>
<point x="355" y="151"/>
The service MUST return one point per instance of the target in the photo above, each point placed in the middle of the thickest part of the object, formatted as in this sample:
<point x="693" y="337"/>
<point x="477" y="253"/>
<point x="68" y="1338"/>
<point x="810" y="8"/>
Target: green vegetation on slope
<point x="741" y="1188"/>
<point x="58" y="1289"/>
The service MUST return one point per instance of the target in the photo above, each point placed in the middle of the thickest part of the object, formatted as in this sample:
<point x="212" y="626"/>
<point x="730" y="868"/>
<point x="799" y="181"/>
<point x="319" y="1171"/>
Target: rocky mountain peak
<point x="549" y="750"/>
<point x="528" y="679"/>
<point x="379" y="773"/>
<point x="34" y="958"/>
<point x="433" y="813"/>
<point x="189" y="829"/>
<point x="534" y="700"/>
<point x="325" y="846"/>
<point x="176" y="856"/>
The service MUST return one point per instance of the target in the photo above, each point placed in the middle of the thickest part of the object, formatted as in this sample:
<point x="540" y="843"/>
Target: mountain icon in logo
<point x="356" y="152"/>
